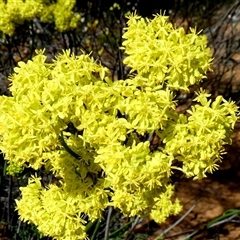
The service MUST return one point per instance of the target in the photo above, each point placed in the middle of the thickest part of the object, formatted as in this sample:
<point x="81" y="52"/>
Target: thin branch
<point x="177" y="222"/>
<point x="106" y="236"/>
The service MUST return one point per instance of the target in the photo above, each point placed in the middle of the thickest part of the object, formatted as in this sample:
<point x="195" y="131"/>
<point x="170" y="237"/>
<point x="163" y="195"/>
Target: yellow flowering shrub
<point x="60" y="12"/>
<point x="94" y="134"/>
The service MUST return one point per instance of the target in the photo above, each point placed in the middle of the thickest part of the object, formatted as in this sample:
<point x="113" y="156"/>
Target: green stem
<point x="225" y="215"/>
<point x="216" y="221"/>
<point x="120" y="229"/>
<point x="90" y="226"/>
<point x="67" y="148"/>
<point x="95" y="230"/>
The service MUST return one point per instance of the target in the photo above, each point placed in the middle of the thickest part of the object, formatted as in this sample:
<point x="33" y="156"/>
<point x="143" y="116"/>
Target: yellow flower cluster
<point x="94" y="133"/>
<point x="173" y="58"/>
<point x="59" y="12"/>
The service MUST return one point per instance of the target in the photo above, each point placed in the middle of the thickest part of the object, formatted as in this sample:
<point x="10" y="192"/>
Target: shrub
<point x="60" y="13"/>
<point x="95" y="134"/>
